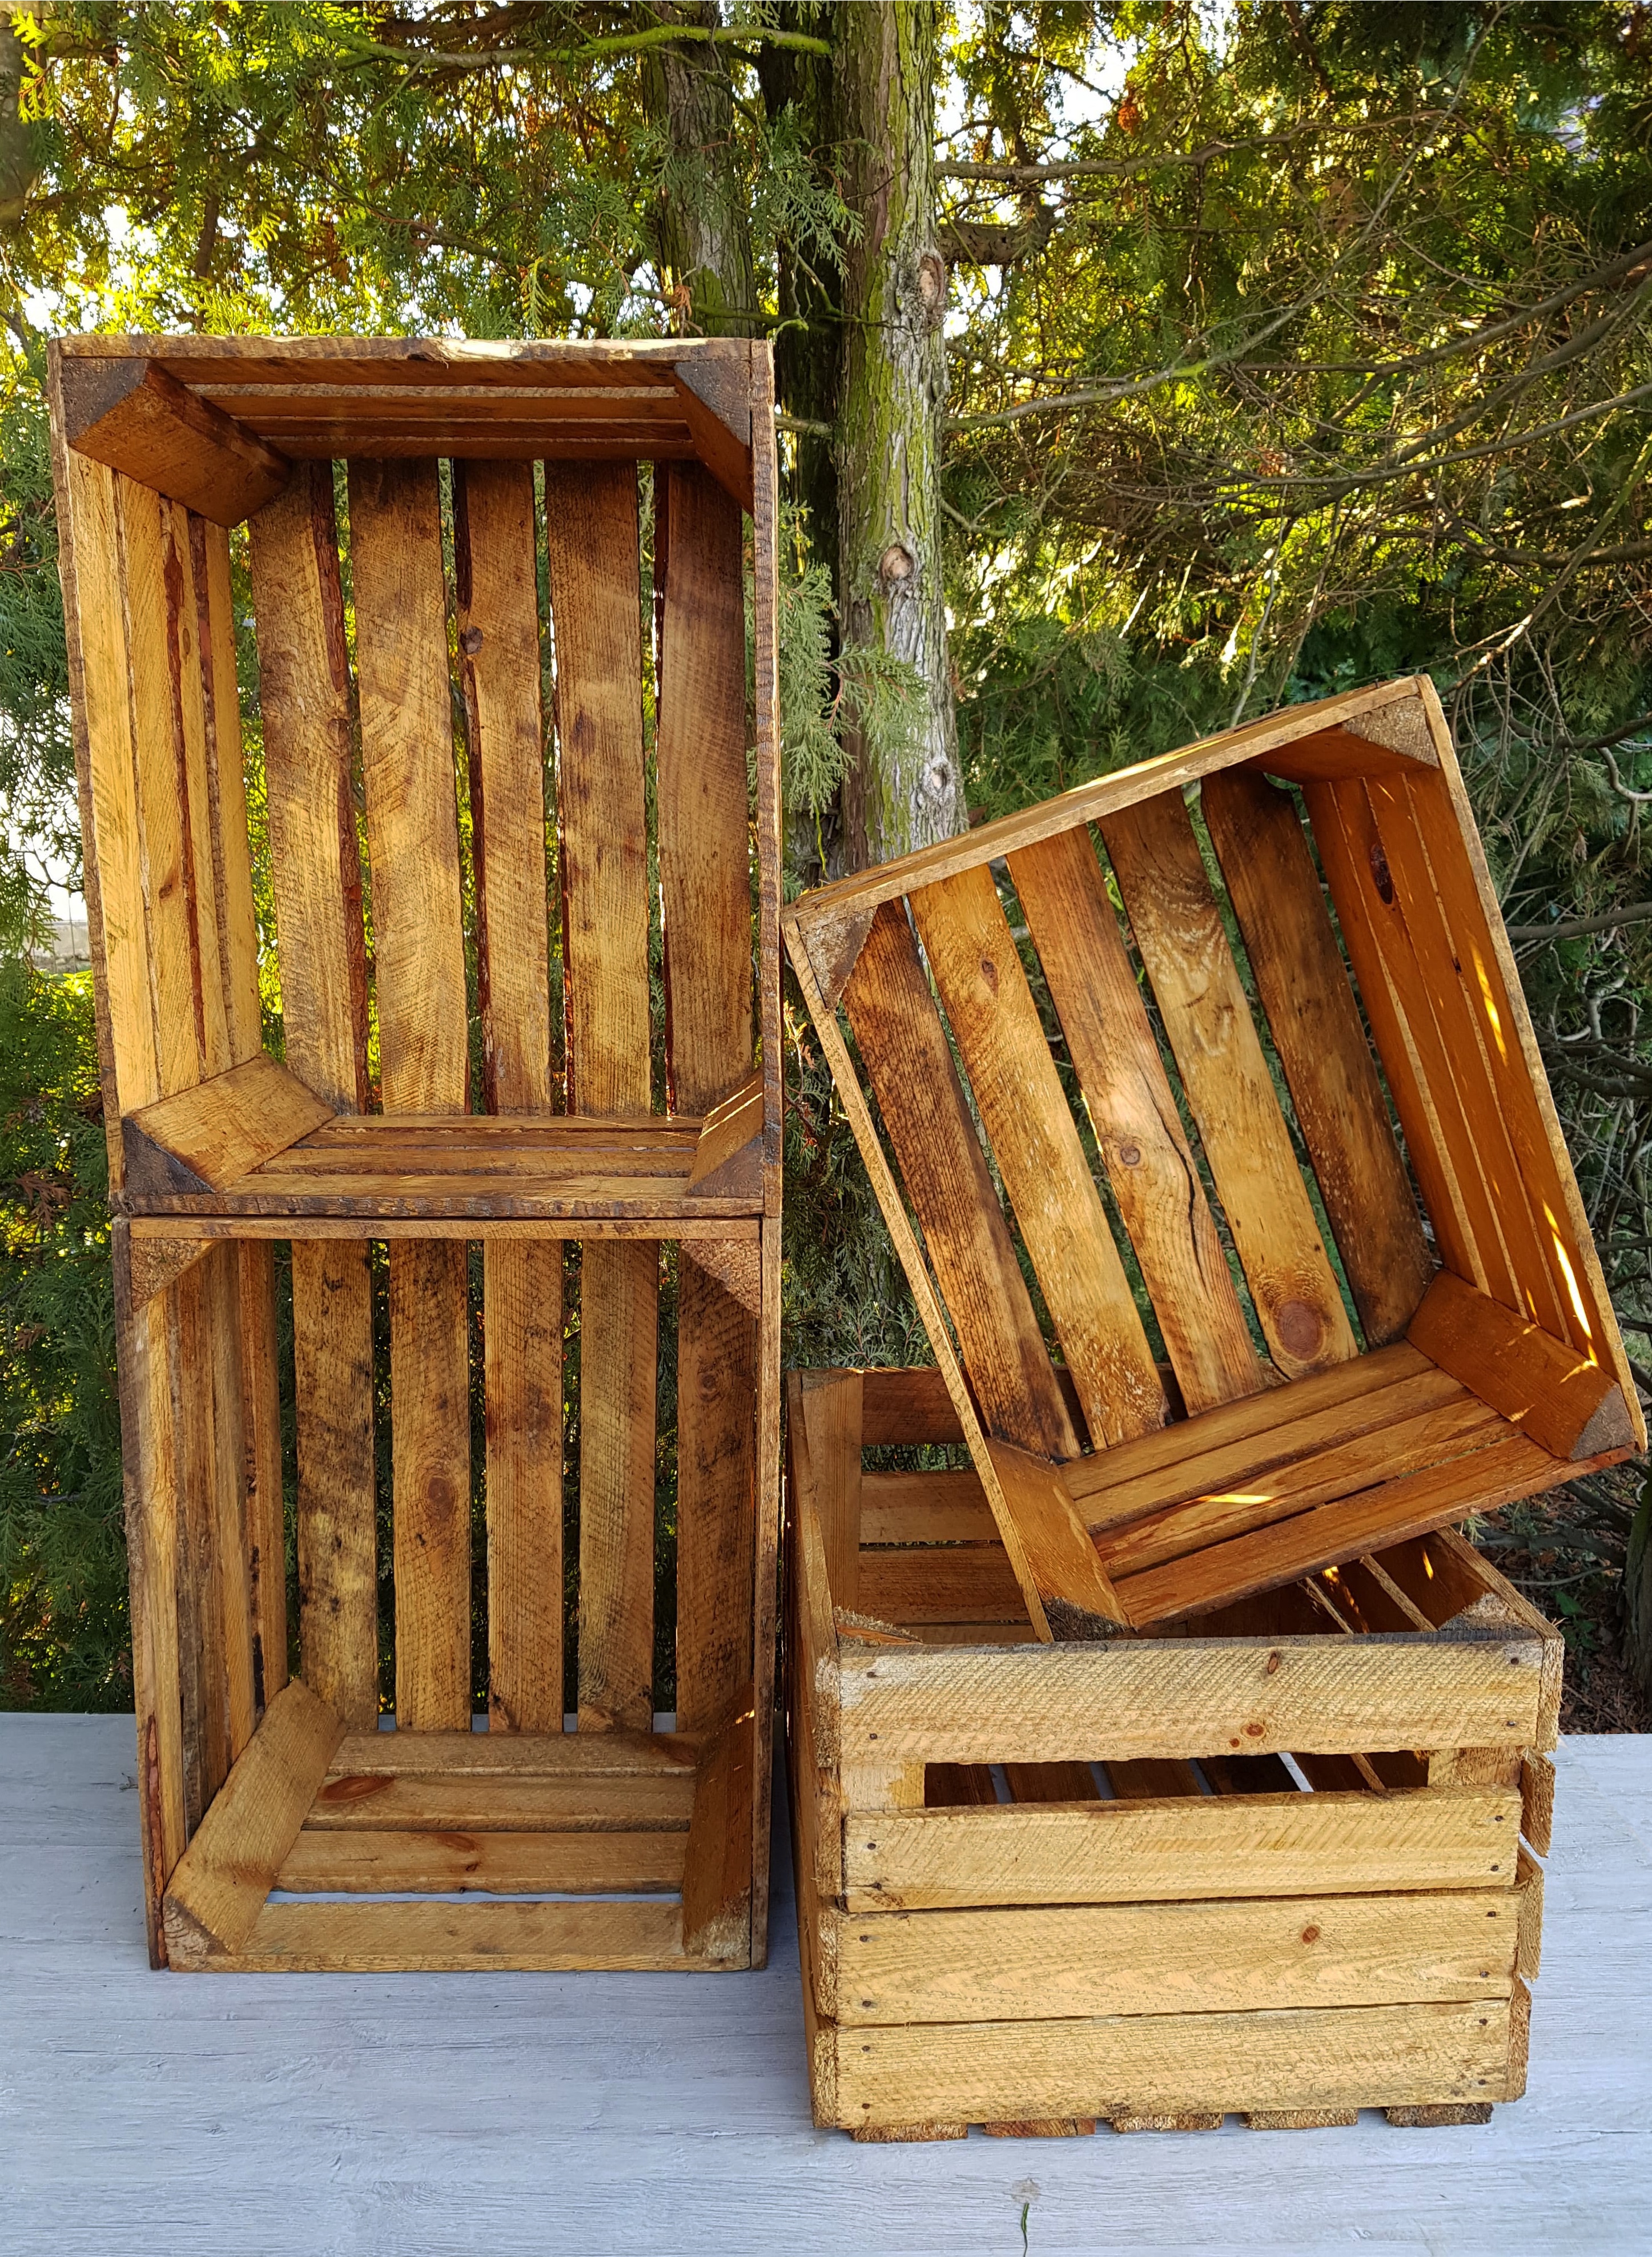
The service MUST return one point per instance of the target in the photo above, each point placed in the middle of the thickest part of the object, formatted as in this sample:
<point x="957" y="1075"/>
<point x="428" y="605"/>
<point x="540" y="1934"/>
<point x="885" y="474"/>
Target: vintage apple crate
<point x="458" y="1066"/>
<point x="1284" y="1340"/>
<point x="1272" y="1865"/>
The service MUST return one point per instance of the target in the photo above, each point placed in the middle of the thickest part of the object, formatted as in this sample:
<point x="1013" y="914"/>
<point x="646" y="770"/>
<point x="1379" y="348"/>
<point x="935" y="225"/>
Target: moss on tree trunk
<point x="702" y="232"/>
<point x="904" y="791"/>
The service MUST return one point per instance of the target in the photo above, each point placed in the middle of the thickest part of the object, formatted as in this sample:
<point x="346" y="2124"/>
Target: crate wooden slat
<point x="1052" y="1884"/>
<point x="437" y="901"/>
<point x="1180" y="1022"/>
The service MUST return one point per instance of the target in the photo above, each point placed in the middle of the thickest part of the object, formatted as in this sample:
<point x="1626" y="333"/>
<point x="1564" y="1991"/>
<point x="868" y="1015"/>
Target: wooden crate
<point x="607" y="1136"/>
<point x="1355" y="1343"/>
<point x="1273" y="1868"/>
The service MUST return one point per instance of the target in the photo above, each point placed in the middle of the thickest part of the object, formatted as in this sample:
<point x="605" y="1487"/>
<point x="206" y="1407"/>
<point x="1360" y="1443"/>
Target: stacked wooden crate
<point x="1290" y="1348"/>
<point x="454" y="1070"/>
<point x="1381" y="1394"/>
<point x="1273" y="1866"/>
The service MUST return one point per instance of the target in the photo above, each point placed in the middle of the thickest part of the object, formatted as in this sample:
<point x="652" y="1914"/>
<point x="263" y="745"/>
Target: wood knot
<point x="895" y="567"/>
<point x="1253" y="1731"/>
<point x="1310" y="1935"/>
<point x="931" y="284"/>
<point x="1382" y="877"/>
<point x="1130" y="1155"/>
<point x="989" y="974"/>
<point x="1301" y="1328"/>
<point x="354" y="1789"/>
<point x="471" y="641"/>
<point x="1274" y="1661"/>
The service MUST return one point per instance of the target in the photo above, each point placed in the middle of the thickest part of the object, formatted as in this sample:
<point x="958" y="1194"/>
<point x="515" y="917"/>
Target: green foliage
<point x="1330" y="363"/>
<point x="62" y="1566"/>
<point x="831" y="691"/>
<point x="37" y="757"/>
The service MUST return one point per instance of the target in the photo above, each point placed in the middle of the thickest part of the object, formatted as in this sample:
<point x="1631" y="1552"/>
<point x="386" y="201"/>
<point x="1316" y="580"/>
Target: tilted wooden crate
<point x="1328" y="1389"/>
<point x="374" y="660"/>
<point x="1273" y="1867"/>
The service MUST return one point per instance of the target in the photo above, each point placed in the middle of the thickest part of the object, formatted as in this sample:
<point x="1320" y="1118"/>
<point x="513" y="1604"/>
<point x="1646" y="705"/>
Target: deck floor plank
<point x="369" y="2114"/>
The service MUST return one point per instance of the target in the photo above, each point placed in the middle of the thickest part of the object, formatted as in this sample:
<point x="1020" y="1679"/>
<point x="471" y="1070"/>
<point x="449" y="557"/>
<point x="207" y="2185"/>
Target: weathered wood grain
<point x="217" y="1891"/>
<point x="717" y="1376"/>
<point x="1132" y="1110"/>
<point x="1315" y="1023"/>
<point x="1465" y="882"/>
<point x="717" y="1865"/>
<point x="1196" y="984"/>
<point x="469" y="1938"/>
<point x="972" y="957"/>
<point x="1134" y="2064"/>
<point x="1562" y="1399"/>
<point x="498" y="622"/>
<point x="139" y="420"/>
<point x="1392" y="985"/>
<point x="522" y="1377"/>
<point x="1183" y="1696"/>
<point x="1185" y="1847"/>
<point x="99" y="655"/>
<point x="497" y="617"/>
<point x="408" y="769"/>
<point x="337" y="1544"/>
<point x="1508" y="1466"/>
<point x="509" y="1863"/>
<point x="152" y="590"/>
<point x="259" y="1337"/>
<point x="619" y="1346"/>
<point x="305" y="700"/>
<point x="593" y="537"/>
<point x="1223" y="1449"/>
<point x="226" y="790"/>
<point x="1464" y="1034"/>
<point x="944" y="1171"/>
<point x="1030" y="1964"/>
<point x="1091" y="803"/>
<point x="533" y="1802"/>
<point x="1406" y="1443"/>
<point x="216" y="1130"/>
<point x="430" y="1471"/>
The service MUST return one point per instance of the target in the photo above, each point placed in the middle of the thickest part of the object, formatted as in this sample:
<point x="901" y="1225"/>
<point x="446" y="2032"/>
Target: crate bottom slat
<point x="383" y="1863"/>
<point x="429" y="1939"/>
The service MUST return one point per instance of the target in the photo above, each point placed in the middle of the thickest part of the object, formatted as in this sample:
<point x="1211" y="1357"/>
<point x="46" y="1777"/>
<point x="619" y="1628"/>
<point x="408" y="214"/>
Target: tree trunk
<point x="808" y="342"/>
<point x="703" y="234"/>
<point x="898" y="794"/>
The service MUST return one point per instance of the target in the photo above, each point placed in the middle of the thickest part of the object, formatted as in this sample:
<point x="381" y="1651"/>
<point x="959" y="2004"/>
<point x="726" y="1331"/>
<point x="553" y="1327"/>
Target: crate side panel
<point x="1309" y="2057"/>
<point x="1181" y="1846"/>
<point x="1033" y="1964"/>
<point x="1193" y="1696"/>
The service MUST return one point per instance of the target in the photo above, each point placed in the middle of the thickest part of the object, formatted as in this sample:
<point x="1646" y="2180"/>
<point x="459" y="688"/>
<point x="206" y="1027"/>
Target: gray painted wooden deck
<point x="247" y="2116"/>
